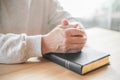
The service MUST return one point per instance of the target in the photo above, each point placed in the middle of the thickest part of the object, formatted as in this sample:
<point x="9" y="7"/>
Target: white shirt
<point x="21" y="24"/>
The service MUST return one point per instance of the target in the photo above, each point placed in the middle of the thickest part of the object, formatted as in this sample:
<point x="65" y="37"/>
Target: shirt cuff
<point x="34" y="46"/>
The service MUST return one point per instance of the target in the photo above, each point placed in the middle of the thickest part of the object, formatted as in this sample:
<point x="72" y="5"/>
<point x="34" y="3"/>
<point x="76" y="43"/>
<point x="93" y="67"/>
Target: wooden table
<point x="100" y="39"/>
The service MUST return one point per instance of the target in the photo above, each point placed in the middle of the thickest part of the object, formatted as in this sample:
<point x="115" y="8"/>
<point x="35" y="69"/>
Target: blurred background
<point x="95" y="13"/>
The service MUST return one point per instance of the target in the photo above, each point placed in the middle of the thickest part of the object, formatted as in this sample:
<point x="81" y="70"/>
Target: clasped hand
<point x="65" y="38"/>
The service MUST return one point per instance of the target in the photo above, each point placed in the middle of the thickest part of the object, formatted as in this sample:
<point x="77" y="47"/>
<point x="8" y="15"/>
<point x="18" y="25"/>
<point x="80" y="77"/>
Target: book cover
<point x="82" y="62"/>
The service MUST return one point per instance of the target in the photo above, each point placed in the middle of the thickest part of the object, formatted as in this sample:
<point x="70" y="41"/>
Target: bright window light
<point x="81" y="8"/>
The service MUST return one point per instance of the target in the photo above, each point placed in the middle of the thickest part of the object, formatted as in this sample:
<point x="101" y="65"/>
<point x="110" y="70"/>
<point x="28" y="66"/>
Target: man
<point x="25" y="30"/>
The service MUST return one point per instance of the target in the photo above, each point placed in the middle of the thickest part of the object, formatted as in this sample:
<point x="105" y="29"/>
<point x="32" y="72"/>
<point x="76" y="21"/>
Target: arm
<point x="16" y="48"/>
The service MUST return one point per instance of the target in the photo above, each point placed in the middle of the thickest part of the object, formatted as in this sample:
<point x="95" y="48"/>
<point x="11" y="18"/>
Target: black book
<point x="82" y="62"/>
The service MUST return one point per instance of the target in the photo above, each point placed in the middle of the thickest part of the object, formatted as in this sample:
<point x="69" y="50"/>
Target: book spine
<point x="65" y="63"/>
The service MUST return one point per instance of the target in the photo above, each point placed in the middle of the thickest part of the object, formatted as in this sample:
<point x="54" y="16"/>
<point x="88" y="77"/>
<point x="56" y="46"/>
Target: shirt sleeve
<point x="16" y="48"/>
<point x="57" y="13"/>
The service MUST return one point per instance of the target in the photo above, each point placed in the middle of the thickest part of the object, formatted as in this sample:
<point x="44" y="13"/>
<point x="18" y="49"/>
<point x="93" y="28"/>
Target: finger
<point x="65" y="22"/>
<point x="76" y="40"/>
<point x="74" y="46"/>
<point x="73" y="51"/>
<point x="74" y="32"/>
<point x="75" y="25"/>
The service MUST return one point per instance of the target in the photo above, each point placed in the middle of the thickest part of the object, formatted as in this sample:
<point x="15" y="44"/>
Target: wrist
<point x="44" y="47"/>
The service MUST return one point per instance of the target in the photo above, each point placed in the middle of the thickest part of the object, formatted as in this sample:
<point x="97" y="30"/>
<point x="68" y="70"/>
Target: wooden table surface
<point x="100" y="39"/>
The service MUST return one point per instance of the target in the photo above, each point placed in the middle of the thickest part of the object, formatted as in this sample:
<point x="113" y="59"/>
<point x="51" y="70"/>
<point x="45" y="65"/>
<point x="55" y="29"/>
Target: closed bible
<point x="82" y="62"/>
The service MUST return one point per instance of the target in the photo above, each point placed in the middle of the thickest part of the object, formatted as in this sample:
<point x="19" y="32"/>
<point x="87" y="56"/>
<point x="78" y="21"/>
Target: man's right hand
<point x="65" y="38"/>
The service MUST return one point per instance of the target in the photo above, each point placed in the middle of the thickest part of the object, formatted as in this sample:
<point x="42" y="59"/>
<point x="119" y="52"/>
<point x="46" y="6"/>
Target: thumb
<point x="65" y="22"/>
